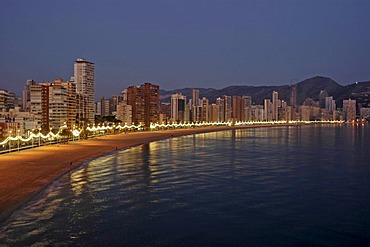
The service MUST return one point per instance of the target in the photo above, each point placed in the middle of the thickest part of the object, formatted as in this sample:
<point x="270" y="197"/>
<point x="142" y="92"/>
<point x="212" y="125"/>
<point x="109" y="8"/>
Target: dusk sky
<point x="178" y="44"/>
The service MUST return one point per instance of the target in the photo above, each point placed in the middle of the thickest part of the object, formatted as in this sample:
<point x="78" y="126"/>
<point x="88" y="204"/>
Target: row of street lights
<point x="104" y="129"/>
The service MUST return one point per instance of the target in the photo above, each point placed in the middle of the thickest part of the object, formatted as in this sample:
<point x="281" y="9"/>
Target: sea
<point x="305" y="185"/>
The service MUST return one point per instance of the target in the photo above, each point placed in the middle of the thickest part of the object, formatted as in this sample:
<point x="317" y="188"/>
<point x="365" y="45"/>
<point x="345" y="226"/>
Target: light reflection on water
<point x="306" y="185"/>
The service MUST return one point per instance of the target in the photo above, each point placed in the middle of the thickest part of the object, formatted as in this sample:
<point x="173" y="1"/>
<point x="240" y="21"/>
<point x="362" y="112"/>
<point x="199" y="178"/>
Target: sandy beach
<point x="26" y="173"/>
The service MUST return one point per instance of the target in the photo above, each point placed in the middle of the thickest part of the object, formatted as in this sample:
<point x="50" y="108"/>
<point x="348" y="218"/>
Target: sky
<point x="177" y="43"/>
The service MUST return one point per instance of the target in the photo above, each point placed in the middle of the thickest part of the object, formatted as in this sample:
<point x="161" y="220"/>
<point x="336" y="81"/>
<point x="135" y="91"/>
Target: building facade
<point x="349" y="110"/>
<point x="178" y="105"/>
<point x="84" y="77"/>
<point x="144" y="100"/>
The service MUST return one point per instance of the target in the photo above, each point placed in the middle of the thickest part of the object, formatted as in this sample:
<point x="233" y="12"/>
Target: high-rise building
<point x="330" y="104"/>
<point x="349" y="110"/>
<point x="103" y="107"/>
<point x="257" y="113"/>
<point x="204" y="116"/>
<point x="84" y="77"/>
<point x="238" y="108"/>
<point x="26" y="101"/>
<point x="8" y="100"/>
<point x="247" y="100"/>
<point x="124" y="113"/>
<point x="116" y="99"/>
<point x="293" y="95"/>
<point x="178" y="103"/>
<point x="267" y="110"/>
<point x="275" y="106"/>
<point x="145" y="103"/>
<point x="322" y="96"/>
<point x="220" y="104"/>
<point x="53" y="104"/>
<point x="39" y="106"/>
<point x="195" y="109"/>
<point x="62" y="103"/>
<point x="213" y="113"/>
<point x="227" y="107"/>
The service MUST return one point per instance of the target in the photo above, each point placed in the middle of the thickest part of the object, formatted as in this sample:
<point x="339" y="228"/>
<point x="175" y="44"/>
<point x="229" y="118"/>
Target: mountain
<point x="309" y="88"/>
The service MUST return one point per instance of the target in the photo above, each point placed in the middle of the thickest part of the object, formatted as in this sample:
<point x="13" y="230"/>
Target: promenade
<point x="26" y="173"/>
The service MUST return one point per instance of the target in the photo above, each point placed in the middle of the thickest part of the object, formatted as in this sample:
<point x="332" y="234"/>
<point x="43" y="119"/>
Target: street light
<point x="18" y="138"/>
<point x="10" y="134"/>
<point x="50" y="135"/>
<point x="33" y="132"/>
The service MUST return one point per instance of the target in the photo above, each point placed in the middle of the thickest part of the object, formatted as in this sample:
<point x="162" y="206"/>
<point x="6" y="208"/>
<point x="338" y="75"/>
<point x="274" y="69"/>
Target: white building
<point x="84" y="77"/>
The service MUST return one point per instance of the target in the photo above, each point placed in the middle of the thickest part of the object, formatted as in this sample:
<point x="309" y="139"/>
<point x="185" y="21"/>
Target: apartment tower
<point x="84" y="77"/>
<point x="145" y="103"/>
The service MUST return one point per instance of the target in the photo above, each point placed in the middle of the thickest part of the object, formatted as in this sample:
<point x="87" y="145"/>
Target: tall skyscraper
<point x="39" y="106"/>
<point x="195" y="109"/>
<point x="267" y="110"/>
<point x="26" y="100"/>
<point x="275" y="106"/>
<point x="293" y="95"/>
<point x="322" y="96"/>
<point x="178" y="103"/>
<point x="330" y="104"/>
<point x="84" y="77"/>
<point x="349" y="109"/>
<point x="213" y="113"/>
<point x="227" y="105"/>
<point x="195" y="94"/>
<point x="62" y="103"/>
<point x="238" y="108"/>
<point x="204" y="116"/>
<point x="220" y="106"/>
<point x="145" y="103"/>
<point x="247" y="101"/>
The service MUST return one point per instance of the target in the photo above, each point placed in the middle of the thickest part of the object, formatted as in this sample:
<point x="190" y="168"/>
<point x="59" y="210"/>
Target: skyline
<point x="211" y="44"/>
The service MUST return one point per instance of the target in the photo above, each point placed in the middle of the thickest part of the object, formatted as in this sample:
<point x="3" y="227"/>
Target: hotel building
<point x="144" y="100"/>
<point x="84" y="77"/>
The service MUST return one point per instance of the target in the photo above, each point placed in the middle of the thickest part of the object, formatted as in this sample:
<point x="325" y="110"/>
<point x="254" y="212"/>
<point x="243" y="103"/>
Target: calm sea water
<point x="295" y="186"/>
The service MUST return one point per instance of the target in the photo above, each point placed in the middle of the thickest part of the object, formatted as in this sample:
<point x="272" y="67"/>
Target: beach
<point x="26" y="173"/>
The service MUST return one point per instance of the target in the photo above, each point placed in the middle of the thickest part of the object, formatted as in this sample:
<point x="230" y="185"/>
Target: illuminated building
<point x="144" y="100"/>
<point x="247" y="105"/>
<point x="322" y="97"/>
<point x="349" y="110"/>
<point x="39" y="105"/>
<point x="267" y="114"/>
<point x="330" y="104"/>
<point x="178" y="103"/>
<point x="7" y="100"/>
<point x="238" y="109"/>
<point x="213" y="113"/>
<point x="204" y="110"/>
<point x="227" y="107"/>
<point x="84" y="77"/>
<point x="26" y="100"/>
<point x="195" y="106"/>
<point x="275" y="106"/>
<point x="124" y="113"/>
<point x="62" y="103"/>
<point x="220" y="104"/>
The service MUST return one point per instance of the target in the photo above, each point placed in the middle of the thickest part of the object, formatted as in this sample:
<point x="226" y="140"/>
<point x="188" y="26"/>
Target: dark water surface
<point x="295" y="186"/>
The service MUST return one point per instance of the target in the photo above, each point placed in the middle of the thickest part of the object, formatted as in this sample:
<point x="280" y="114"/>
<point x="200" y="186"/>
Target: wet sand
<point x="26" y="173"/>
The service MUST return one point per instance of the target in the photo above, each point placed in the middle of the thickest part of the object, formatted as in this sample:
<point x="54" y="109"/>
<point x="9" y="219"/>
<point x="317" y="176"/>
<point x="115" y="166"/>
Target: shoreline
<point x="25" y="174"/>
